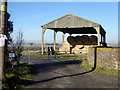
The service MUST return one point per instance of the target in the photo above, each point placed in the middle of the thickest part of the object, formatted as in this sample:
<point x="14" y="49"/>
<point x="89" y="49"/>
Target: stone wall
<point x="105" y="57"/>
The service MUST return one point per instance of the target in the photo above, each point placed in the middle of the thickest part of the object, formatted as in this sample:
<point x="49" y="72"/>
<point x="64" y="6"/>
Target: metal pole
<point x="3" y="31"/>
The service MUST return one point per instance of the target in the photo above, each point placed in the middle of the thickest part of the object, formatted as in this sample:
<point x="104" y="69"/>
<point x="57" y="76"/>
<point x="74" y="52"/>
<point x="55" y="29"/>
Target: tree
<point x="31" y="44"/>
<point x="9" y="30"/>
<point x="9" y="39"/>
<point x="18" y="47"/>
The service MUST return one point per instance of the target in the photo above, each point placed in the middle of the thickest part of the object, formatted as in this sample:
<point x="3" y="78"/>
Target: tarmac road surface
<point x="66" y="74"/>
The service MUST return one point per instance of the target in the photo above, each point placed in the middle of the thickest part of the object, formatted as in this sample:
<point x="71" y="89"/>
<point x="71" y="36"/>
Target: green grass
<point x="60" y="57"/>
<point x="85" y="65"/>
<point x="110" y="72"/>
<point x="37" y="55"/>
<point x="18" y="77"/>
<point x="104" y="71"/>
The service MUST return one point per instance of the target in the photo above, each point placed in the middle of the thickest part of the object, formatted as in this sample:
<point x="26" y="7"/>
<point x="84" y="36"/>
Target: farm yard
<point x="52" y="45"/>
<point x="68" y="65"/>
<point x="68" y="72"/>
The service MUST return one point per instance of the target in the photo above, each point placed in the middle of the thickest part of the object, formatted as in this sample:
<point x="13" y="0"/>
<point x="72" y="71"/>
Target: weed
<point x="18" y="77"/>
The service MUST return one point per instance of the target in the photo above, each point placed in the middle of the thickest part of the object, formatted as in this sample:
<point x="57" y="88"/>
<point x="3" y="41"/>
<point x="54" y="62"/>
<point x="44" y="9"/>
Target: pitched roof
<point x="70" y="21"/>
<point x="73" y="25"/>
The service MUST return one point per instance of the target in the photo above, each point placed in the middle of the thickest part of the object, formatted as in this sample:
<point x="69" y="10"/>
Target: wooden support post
<point x="55" y="39"/>
<point x="98" y="36"/>
<point x="63" y="38"/>
<point x="104" y="38"/>
<point x="69" y="34"/>
<point x="3" y="31"/>
<point x="101" y="38"/>
<point x="43" y="31"/>
<point x="98" y="32"/>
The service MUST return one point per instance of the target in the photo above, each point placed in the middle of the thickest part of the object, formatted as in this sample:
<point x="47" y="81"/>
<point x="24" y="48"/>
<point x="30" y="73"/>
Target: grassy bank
<point x="60" y="57"/>
<point x="110" y="72"/>
<point x="18" y="77"/>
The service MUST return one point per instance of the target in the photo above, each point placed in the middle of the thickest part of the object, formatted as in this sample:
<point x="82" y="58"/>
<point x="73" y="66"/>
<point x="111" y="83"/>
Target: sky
<point x="30" y="16"/>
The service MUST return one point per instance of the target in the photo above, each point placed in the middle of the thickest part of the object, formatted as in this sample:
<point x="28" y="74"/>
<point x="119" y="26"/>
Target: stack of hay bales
<point x="79" y="40"/>
<point x="82" y="40"/>
<point x="79" y="44"/>
<point x="65" y="47"/>
<point x="93" y="40"/>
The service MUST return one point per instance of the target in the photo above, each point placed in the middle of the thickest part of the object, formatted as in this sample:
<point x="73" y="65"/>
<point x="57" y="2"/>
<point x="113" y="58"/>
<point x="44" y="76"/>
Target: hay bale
<point x="82" y="40"/>
<point x="85" y="39"/>
<point x="93" y="40"/>
<point x="65" y="47"/>
<point x="71" y="40"/>
<point x="78" y="40"/>
<point x="77" y="49"/>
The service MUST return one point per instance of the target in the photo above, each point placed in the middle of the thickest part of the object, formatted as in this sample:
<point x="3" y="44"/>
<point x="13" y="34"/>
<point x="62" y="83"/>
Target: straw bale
<point x="93" y="40"/>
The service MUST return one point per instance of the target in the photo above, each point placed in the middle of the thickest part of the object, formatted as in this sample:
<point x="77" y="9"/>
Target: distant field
<point x="114" y="45"/>
<point x="37" y="46"/>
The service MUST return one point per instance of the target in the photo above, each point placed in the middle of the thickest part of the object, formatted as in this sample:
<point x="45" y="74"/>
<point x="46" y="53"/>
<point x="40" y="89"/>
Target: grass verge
<point x="18" y="77"/>
<point x="111" y="72"/>
<point x="60" y="57"/>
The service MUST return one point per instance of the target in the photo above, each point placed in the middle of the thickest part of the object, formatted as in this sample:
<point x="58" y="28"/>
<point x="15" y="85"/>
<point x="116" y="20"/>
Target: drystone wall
<point x="105" y="57"/>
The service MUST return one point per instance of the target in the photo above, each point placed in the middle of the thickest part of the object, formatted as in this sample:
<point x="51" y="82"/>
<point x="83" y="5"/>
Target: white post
<point x="54" y="39"/>
<point x="43" y="31"/>
<point x="69" y="34"/>
<point x="98" y="32"/>
<point x="63" y="38"/>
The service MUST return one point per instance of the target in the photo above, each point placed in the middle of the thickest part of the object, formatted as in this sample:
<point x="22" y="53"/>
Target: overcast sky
<point x="30" y="16"/>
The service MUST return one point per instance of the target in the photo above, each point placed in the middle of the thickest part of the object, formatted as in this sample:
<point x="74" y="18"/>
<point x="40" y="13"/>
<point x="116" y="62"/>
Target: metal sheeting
<point x="73" y="24"/>
<point x="70" y="21"/>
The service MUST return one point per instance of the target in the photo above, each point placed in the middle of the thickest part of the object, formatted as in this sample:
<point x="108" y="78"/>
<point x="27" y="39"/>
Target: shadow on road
<point x="47" y="67"/>
<point x="57" y="64"/>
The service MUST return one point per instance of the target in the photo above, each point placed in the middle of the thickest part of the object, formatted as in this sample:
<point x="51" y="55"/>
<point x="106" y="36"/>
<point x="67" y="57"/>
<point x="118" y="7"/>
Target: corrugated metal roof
<point x="74" y="25"/>
<point x="70" y="21"/>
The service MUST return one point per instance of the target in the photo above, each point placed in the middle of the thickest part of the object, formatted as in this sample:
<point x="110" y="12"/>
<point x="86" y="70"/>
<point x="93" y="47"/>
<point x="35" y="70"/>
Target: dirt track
<point x="66" y="74"/>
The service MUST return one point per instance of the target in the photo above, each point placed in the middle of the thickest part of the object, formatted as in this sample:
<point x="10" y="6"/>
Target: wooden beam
<point x="63" y="37"/>
<point x="43" y="31"/>
<point x="104" y="38"/>
<point x="55" y="39"/>
<point x="101" y="38"/>
<point x="98" y="32"/>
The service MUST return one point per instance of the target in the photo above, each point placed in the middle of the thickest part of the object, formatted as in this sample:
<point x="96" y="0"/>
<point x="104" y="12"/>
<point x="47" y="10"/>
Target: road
<point x="66" y="74"/>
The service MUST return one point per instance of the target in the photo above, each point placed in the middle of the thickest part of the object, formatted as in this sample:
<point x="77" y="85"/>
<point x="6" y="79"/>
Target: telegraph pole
<point x="3" y="32"/>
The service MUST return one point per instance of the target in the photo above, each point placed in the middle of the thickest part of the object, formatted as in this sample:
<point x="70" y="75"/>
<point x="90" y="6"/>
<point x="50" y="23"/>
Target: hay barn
<point x="76" y="25"/>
